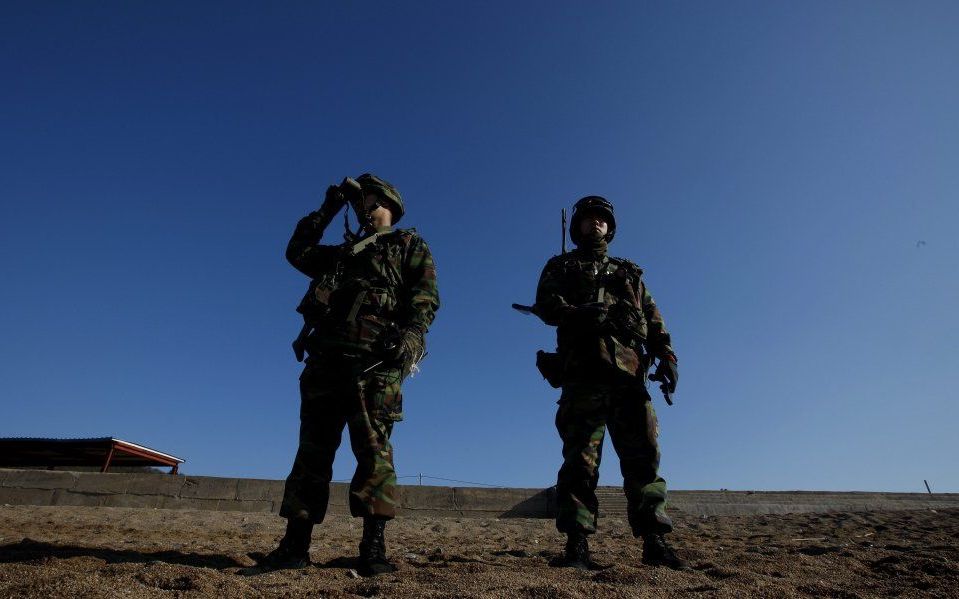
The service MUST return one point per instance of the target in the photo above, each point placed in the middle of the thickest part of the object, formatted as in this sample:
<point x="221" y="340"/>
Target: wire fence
<point x="421" y="477"/>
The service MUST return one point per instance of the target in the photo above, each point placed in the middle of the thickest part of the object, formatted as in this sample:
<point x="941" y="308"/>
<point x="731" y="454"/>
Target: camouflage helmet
<point x="591" y="204"/>
<point x="372" y="184"/>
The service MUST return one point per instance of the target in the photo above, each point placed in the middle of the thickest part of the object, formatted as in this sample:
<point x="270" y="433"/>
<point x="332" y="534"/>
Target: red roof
<point x="101" y="452"/>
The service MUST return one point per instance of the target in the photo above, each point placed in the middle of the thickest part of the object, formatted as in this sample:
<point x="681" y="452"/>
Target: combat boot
<point x="293" y="552"/>
<point x="656" y="552"/>
<point x="577" y="552"/>
<point x="373" y="549"/>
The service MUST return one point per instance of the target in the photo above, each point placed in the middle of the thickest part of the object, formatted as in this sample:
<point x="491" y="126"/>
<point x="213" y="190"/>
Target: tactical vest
<point x="354" y="305"/>
<point x="619" y="340"/>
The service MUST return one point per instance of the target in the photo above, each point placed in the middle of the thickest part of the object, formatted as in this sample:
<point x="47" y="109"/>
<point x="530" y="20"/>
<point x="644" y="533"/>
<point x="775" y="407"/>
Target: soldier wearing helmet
<point x="366" y="312"/>
<point x="609" y="332"/>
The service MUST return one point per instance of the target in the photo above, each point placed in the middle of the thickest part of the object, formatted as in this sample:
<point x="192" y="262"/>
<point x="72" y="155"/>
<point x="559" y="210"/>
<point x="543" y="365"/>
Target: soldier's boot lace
<point x="657" y="552"/>
<point x="293" y="552"/>
<point x="373" y="549"/>
<point x="577" y="552"/>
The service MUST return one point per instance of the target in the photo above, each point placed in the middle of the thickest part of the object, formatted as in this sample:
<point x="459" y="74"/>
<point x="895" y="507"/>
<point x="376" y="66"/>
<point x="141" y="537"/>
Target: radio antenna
<point x="564" y="231"/>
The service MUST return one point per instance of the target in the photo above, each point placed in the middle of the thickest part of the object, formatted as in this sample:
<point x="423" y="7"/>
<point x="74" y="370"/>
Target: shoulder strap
<point x="359" y="246"/>
<point x="632" y="270"/>
<point x="601" y="293"/>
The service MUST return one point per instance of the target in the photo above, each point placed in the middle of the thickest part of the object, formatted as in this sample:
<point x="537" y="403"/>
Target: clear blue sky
<point x="774" y="167"/>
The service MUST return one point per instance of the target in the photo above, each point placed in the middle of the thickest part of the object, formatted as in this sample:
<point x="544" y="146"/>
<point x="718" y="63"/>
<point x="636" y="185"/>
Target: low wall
<point x="42" y="487"/>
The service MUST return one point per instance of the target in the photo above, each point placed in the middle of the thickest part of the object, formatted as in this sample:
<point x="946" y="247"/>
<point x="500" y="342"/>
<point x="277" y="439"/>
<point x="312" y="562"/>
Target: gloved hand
<point x="334" y="200"/>
<point x="667" y="372"/>
<point x="413" y="347"/>
<point x="401" y="346"/>
<point x="587" y="316"/>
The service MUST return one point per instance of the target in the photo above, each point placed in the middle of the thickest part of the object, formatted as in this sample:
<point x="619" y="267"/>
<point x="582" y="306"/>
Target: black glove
<point x="587" y="316"/>
<point x="334" y="200"/>
<point x="667" y="372"/>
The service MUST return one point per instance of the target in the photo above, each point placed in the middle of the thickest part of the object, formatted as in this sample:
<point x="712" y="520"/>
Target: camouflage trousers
<point x="585" y="410"/>
<point x="335" y="393"/>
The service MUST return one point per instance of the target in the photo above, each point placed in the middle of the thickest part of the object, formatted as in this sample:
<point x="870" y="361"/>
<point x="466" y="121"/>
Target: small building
<point x="99" y="453"/>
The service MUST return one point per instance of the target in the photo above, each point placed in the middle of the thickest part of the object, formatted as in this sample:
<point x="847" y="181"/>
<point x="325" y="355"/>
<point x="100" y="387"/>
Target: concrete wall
<point x="41" y="487"/>
<point x="784" y="502"/>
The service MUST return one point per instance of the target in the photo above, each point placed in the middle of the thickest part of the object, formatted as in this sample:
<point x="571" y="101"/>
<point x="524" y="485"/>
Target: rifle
<point x="524" y="309"/>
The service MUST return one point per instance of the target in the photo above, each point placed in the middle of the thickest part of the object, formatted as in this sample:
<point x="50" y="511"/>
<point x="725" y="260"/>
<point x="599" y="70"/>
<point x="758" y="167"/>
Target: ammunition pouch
<point x="550" y="365"/>
<point x="299" y="344"/>
<point x="316" y="301"/>
<point x="626" y="323"/>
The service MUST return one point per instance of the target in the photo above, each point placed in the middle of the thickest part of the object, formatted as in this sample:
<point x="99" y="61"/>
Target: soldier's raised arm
<point x="304" y="251"/>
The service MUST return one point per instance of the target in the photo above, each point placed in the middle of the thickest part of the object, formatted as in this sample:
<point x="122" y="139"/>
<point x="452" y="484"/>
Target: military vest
<point x="353" y="305"/>
<point x="619" y="340"/>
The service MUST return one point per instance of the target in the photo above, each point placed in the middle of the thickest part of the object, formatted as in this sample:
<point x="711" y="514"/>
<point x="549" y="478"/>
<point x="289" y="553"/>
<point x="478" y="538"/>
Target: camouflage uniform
<point x="386" y="285"/>
<point x="604" y="373"/>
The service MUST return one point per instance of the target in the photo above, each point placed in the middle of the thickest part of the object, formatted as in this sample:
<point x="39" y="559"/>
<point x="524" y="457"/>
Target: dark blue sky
<point x="773" y="165"/>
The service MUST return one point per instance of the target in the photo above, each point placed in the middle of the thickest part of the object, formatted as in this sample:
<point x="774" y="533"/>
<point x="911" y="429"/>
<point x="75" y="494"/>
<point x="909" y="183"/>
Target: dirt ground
<point x="109" y="552"/>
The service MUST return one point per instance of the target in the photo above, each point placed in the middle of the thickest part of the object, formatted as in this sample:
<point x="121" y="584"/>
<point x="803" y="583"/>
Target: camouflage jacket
<point x="632" y="331"/>
<point x="360" y="293"/>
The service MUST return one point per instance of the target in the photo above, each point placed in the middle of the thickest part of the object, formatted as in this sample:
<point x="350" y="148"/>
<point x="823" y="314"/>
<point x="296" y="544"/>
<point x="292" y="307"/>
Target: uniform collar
<point x="595" y="252"/>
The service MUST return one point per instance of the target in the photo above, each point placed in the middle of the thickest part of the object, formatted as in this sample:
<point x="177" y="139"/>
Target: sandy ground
<point x="109" y="552"/>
